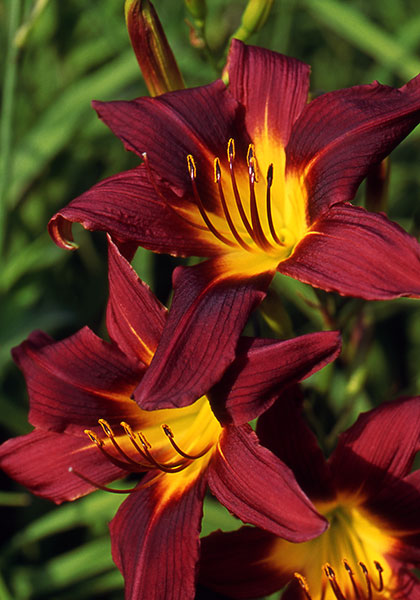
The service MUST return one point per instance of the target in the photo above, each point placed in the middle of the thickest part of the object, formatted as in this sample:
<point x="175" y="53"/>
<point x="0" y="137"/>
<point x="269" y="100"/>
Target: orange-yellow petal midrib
<point x="351" y="536"/>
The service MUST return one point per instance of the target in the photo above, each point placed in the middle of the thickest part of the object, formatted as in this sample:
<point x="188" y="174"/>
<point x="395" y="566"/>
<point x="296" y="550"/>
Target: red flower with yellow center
<point x="369" y="497"/>
<point x="89" y="431"/>
<point x="257" y="180"/>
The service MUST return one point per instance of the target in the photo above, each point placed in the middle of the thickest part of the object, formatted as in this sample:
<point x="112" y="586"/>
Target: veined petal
<point x="135" y="317"/>
<point x="225" y="572"/>
<point x="199" y="341"/>
<point x="284" y="431"/>
<point x="40" y="461"/>
<point x="410" y="586"/>
<point x="129" y="208"/>
<point x="356" y="253"/>
<point x="379" y="447"/>
<point x="196" y="121"/>
<point x="272" y="87"/>
<point x="260" y="489"/>
<point x="155" y="538"/>
<point x="74" y="382"/>
<point x="264" y="368"/>
<point x="397" y="505"/>
<point x="340" y="135"/>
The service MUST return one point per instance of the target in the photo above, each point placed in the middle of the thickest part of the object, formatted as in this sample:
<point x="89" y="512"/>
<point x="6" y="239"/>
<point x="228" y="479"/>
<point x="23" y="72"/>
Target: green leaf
<point x="215" y="516"/>
<point x="55" y="128"/>
<point x="353" y="26"/>
<point x="37" y="255"/>
<point x="89" y="560"/>
<point x="82" y="512"/>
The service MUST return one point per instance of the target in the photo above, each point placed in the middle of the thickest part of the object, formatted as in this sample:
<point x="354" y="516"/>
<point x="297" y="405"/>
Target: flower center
<point x="159" y="448"/>
<point x="346" y="562"/>
<point x="358" y="586"/>
<point x="249" y="219"/>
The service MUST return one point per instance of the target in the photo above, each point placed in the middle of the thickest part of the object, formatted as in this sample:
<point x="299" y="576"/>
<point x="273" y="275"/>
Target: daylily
<point x="89" y="432"/>
<point x="365" y="490"/>
<point x="257" y="180"/>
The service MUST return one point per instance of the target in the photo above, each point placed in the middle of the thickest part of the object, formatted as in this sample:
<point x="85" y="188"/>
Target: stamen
<point x="106" y="427"/>
<point x="93" y="437"/>
<point x="118" y="463"/>
<point x="353" y="582"/>
<point x="303" y="584"/>
<point x="332" y="580"/>
<point x="258" y="234"/>
<point x="132" y="438"/>
<point x="251" y="160"/>
<point x="152" y="180"/>
<point x="171" y="468"/>
<point x="367" y="578"/>
<point x="218" y="181"/>
<point x="269" y="213"/>
<point x="99" y="486"/>
<point x="193" y="172"/>
<point x="231" y="159"/>
<point x="128" y="464"/>
<point x="231" y="150"/>
<point x="380" y="570"/>
<point x="169" y="434"/>
<point x="144" y="441"/>
<point x="110" y="434"/>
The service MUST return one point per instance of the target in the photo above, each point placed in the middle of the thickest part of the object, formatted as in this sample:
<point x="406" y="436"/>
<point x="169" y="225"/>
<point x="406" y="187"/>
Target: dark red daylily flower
<point x="366" y="492"/>
<point x="80" y="405"/>
<point x="257" y="180"/>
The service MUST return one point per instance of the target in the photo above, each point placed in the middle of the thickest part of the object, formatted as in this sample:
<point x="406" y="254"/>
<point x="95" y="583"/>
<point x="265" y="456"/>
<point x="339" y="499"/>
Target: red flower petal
<point x="397" y="506"/>
<point x="128" y="207"/>
<point x="260" y="489"/>
<point x="241" y="570"/>
<point x="75" y="382"/>
<point x="200" y="336"/>
<point x="378" y="448"/>
<point x="284" y="431"/>
<point x="272" y="87"/>
<point x="340" y="135"/>
<point x="357" y="253"/>
<point x="155" y="540"/>
<point x="40" y="461"/>
<point x="264" y="368"/>
<point x="135" y="317"/>
<point x="196" y="121"/>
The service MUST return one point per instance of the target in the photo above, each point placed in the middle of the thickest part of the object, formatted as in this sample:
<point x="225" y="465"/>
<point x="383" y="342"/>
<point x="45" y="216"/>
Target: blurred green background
<point x="55" y="58"/>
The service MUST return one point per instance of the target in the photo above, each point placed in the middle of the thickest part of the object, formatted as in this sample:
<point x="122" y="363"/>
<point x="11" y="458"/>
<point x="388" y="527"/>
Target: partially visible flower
<point x="257" y="180"/>
<point x="80" y="405"/>
<point x="369" y="496"/>
<point x="154" y="55"/>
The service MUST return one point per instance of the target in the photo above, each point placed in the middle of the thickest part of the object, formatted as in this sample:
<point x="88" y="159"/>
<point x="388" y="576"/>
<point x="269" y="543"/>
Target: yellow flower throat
<point x="347" y="562"/>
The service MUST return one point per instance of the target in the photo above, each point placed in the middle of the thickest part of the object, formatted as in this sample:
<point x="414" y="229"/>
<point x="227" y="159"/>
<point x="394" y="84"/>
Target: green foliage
<point x="58" y="56"/>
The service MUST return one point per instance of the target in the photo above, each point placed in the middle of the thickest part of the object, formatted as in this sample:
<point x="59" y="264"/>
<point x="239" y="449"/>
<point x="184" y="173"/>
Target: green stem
<point x="7" y="114"/>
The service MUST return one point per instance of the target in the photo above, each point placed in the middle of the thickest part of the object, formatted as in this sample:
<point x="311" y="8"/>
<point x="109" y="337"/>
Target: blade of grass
<point x="7" y="114"/>
<point x="90" y="560"/>
<point x="363" y="34"/>
<point x="67" y="516"/>
<point x="55" y="128"/>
